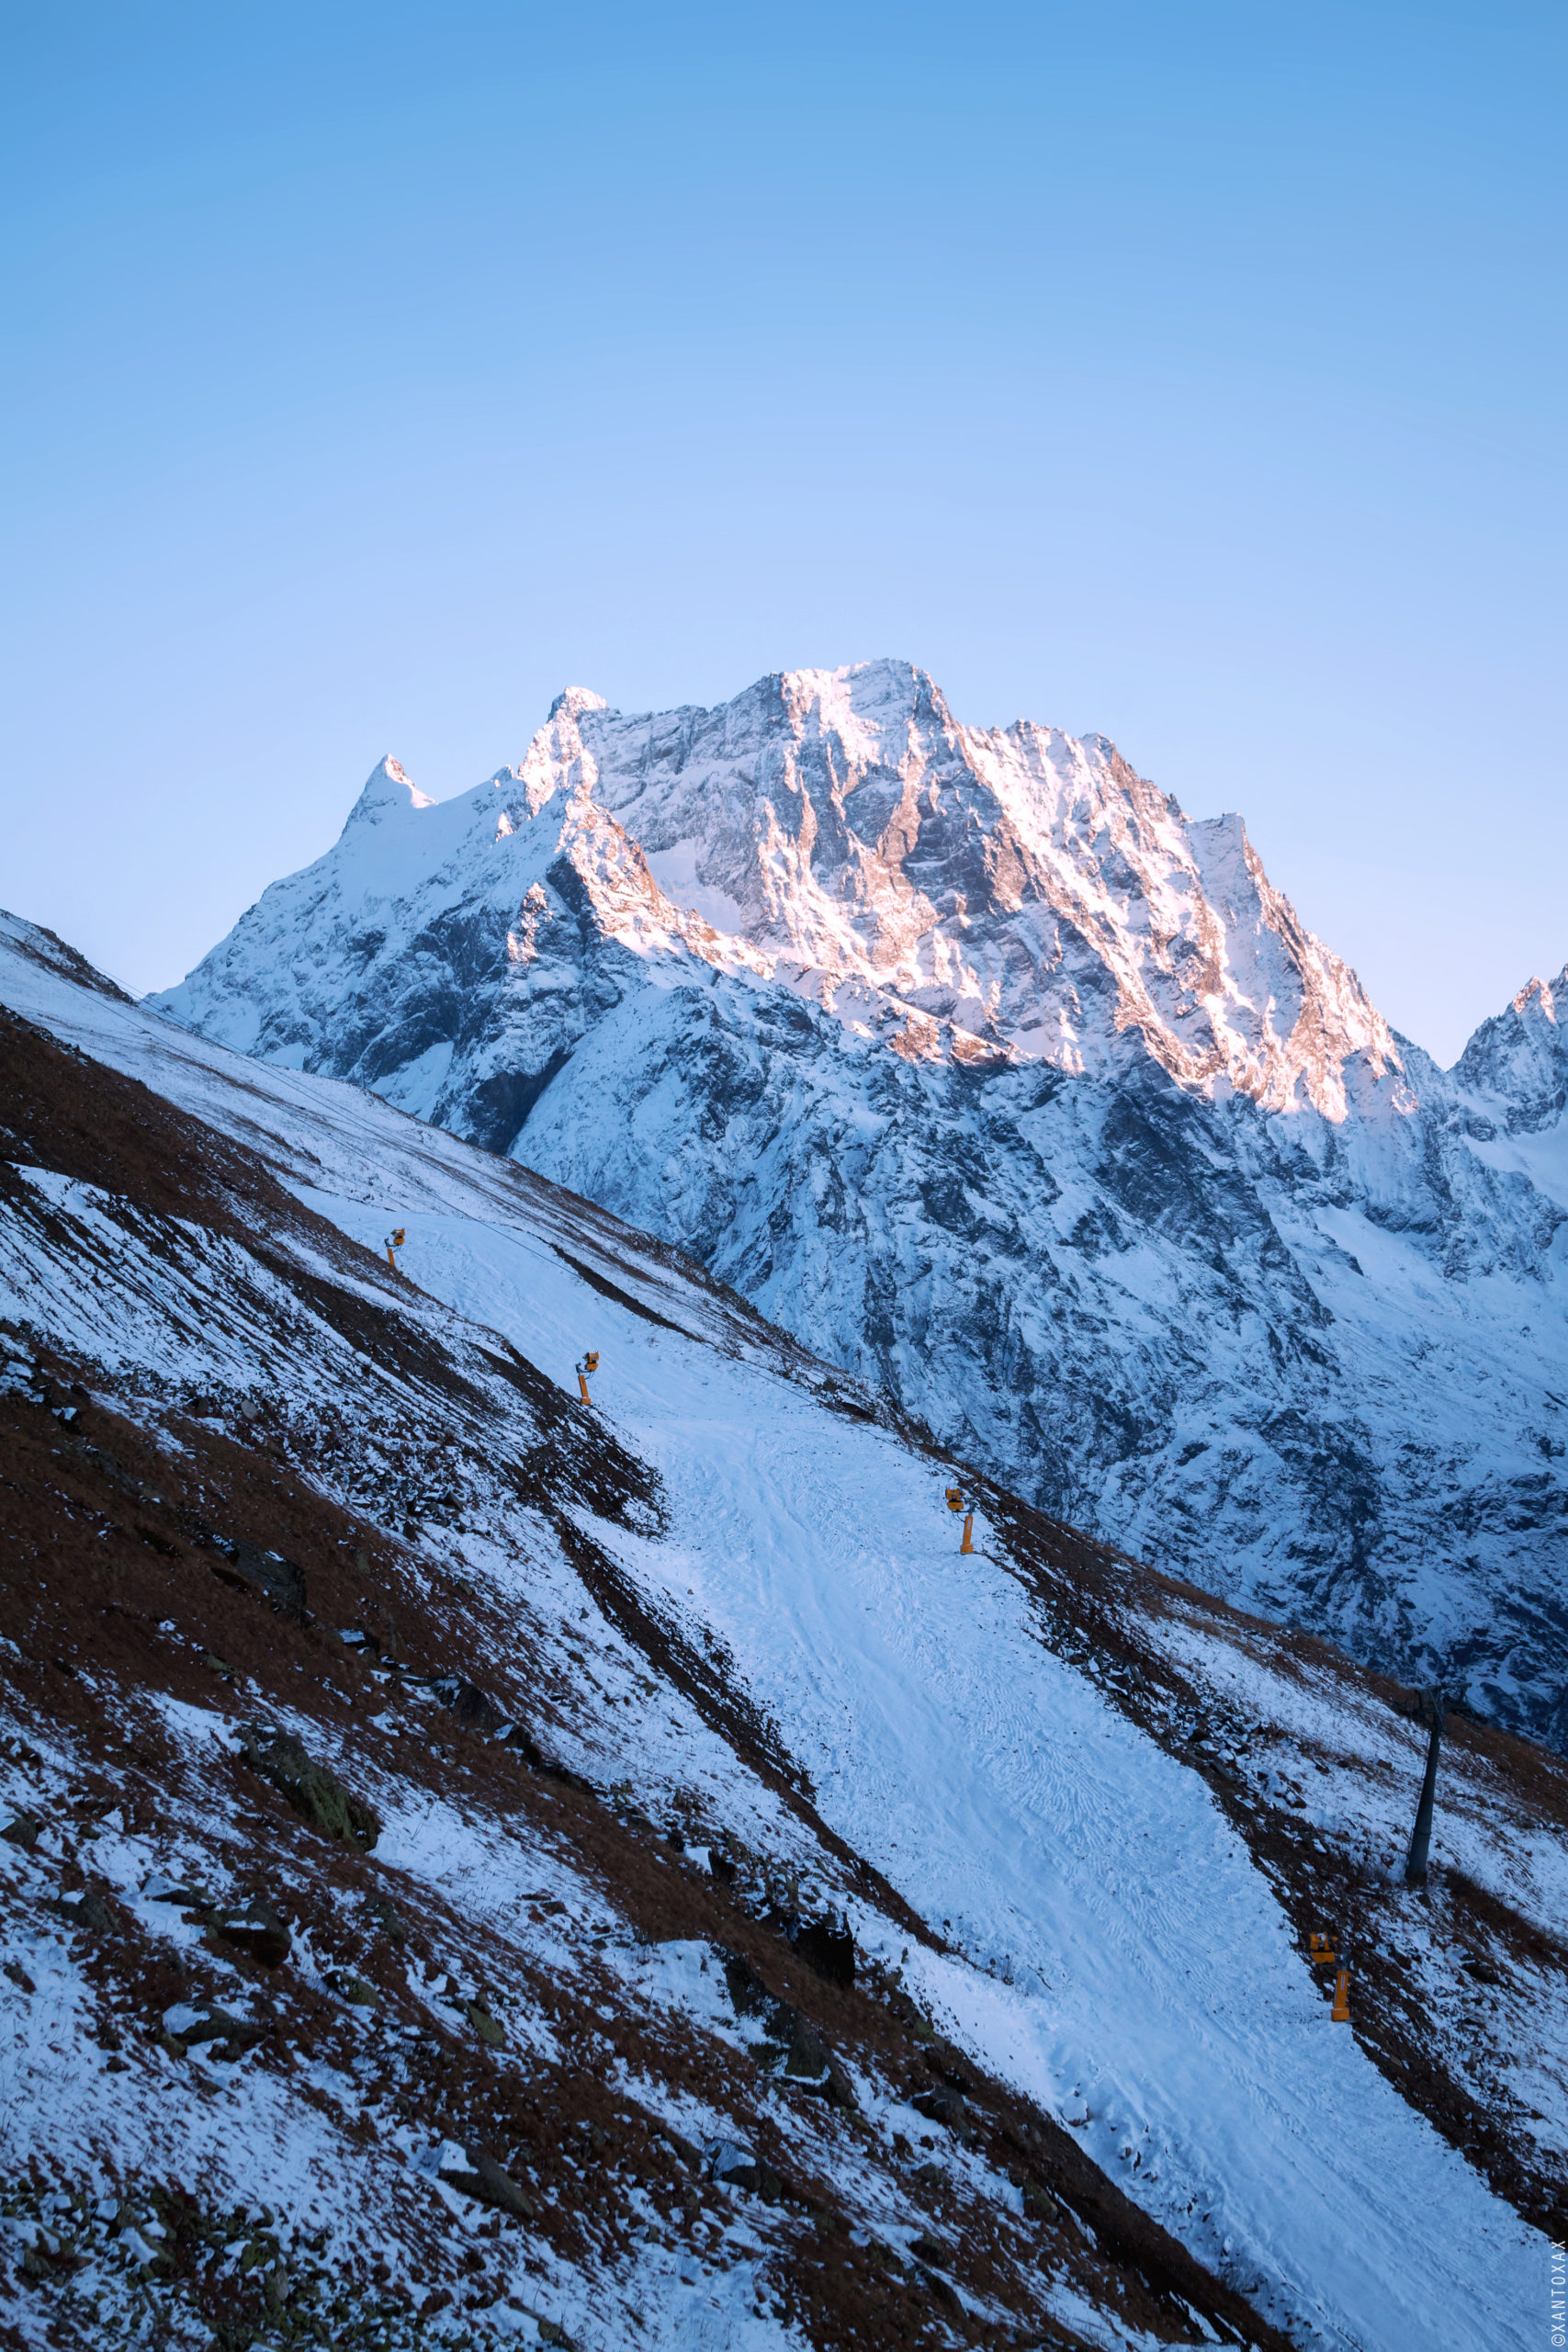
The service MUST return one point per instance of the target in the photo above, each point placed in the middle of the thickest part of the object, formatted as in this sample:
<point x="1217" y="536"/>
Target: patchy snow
<point x="1115" y="1952"/>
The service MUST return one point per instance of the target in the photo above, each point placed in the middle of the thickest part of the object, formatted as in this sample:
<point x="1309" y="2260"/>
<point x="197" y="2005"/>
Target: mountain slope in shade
<point x="664" y="1718"/>
<point x="974" y="1062"/>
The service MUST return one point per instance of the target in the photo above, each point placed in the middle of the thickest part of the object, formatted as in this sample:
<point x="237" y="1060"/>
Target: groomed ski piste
<point x="1114" y="1949"/>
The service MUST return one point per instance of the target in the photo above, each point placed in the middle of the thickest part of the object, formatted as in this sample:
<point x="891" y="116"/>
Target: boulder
<point x="22" y="1831"/>
<point x="388" y="1918"/>
<point x="89" y="1912"/>
<point x="727" y="2160"/>
<point x="807" y="2056"/>
<point x="250" y="1569"/>
<point x="231" y="2036"/>
<point x="190" y="1898"/>
<point x="747" y="1990"/>
<point x="829" y="1947"/>
<point x="316" y="1794"/>
<point x="945" y="2106"/>
<point x="737" y="2168"/>
<point x="254" y="1928"/>
<point x="807" y="2053"/>
<point x="353" y="1990"/>
<point x="931" y="2251"/>
<point x="474" y="1708"/>
<point x="482" y="2178"/>
<point x="838" y="2089"/>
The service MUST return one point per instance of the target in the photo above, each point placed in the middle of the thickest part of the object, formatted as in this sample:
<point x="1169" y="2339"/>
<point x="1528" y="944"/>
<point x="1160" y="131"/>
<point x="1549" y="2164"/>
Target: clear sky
<point x="1192" y="373"/>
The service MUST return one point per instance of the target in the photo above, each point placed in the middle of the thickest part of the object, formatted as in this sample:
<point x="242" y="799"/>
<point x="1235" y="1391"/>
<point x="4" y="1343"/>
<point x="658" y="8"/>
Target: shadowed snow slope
<point x="657" y="1705"/>
<point x="970" y="1059"/>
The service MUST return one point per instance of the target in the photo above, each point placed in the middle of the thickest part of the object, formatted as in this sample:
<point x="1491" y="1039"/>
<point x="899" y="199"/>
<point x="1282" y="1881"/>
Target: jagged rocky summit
<point x="970" y="1058"/>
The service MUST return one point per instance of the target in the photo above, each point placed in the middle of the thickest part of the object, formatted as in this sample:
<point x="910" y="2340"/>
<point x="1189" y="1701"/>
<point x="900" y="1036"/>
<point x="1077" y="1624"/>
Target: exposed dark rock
<point x="805" y="2052"/>
<point x="388" y="1918"/>
<point x="316" y="1794"/>
<point x="250" y="1569"/>
<point x="232" y="2036"/>
<point x="929" y="2250"/>
<point x="942" y="2291"/>
<point x="256" y="1929"/>
<point x="738" y="2167"/>
<point x="474" y="1708"/>
<point x="945" y="2106"/>
<point x="829" y="1947"/>
<point x="747" y="1990"/>
<point x="22" y="1831"/>
<point x="522" y="1738"/>
<point x="483" y="2179"/>
<point x="89" y="1912"/>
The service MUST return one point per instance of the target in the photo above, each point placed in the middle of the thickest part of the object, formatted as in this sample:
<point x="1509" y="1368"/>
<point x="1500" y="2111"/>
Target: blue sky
<point x="1189" y="373"/>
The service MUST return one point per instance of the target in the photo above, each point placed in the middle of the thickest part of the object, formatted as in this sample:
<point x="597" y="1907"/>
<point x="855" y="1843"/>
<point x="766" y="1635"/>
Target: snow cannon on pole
<point x="395" y="1240"/>
<point x="960" y="1498"/>
<point x="585" y="1364"/>
<point x="1421" y="1836"/>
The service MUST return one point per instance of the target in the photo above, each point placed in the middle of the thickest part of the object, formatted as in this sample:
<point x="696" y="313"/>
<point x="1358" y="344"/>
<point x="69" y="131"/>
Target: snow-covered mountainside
<point x="481" y="1869"/>
<point x="970" y="1059"/>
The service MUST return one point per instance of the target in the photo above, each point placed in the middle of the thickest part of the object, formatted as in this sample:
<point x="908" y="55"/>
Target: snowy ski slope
<point x="1122" y="1957"/>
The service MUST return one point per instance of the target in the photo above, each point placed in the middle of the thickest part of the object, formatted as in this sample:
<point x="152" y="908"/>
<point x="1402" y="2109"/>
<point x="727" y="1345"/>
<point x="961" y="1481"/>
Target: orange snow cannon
<point x="395" y="1240"/>
<point x="1340" y="2013"/>
<point x="1321" y="1952"/>
<point x="590" y="1362"/>
<point x="958" y="1501"/>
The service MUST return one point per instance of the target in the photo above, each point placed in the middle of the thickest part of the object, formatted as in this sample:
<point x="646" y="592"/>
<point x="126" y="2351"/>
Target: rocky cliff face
<point x="979" y="1065"/>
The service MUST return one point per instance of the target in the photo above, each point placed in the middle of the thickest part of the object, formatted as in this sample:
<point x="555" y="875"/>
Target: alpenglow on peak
<point x="1011" y="893"/>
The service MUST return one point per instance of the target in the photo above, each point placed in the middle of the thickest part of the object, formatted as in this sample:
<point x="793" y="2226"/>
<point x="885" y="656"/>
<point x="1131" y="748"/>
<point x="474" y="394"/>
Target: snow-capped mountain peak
<point x="388" y="787"/>
<point x="972" y="1058"/>
<point x="1014" y="893"/>
<point x="1519" y="1059"/>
